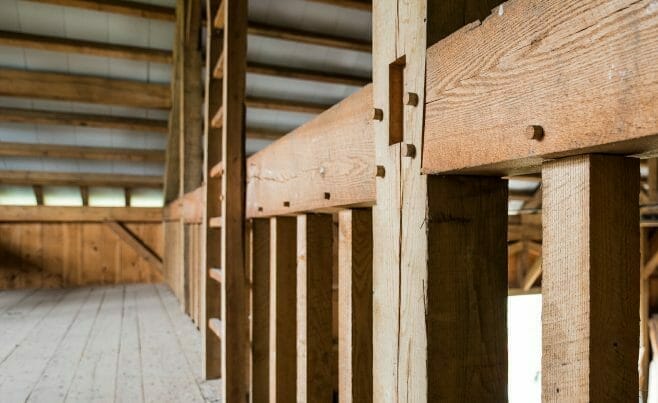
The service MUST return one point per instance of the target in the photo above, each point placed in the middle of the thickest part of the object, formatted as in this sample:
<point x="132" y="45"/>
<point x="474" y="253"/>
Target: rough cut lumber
<point x="79" y="214"/>
<point x="331" y="154"/>
<point x="129" y="8"/>
<point x="363" y="5"/>
<point x="590" y="282"/>
<point x="54" y="44"/>
<point x="561" y="64"/>
<point x="314" y="307"/>
<point x="260" y="308"/>
<point x="78" y="179"/>
<point x="42" y="117"/>
<point x="355" y="306"/>
<point x="302" y="74"/>
<point x="189" y="208"/>
<point x="286" y="105"/>
<point x="312" y="38"/>
<point x="78" y="88"/>
<point x="142" y="249"/>
<point x="77" y="152"/>
<point x="283" y="300"/>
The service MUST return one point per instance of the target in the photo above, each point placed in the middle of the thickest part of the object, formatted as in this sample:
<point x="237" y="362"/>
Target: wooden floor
<point x="104" y="344"/>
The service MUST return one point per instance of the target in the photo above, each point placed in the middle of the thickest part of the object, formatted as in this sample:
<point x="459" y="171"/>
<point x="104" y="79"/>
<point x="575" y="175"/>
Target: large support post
<point x="314" y="307"/>
<point x="590" y="280"/>
<point x="260" y="308"/>
<point x="355" y="306"/>
<point x="283" y="300"/>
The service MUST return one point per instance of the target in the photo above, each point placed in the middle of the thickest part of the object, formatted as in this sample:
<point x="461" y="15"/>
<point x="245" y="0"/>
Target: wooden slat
<point x="355" y="306"/>
<point x="78" y="179"/>
<point x="77" y="152"/>
<point x="218" y="119"/>
<point x="285" y="105"/>
<point x="363" y="5"/>
<point x="590" y="283"/>
<point x="217" y="275"/>
<point x="129" y="8"/>
<point x="283" y="303"/>
<point x="314" y="312"/>
<point x="312" y="38"/>
<point x="587" y="63"/>
<point x="260" y="297"/>
<point x="217" y="170"/>
<point x="55" y="44"/>
<point x="143" y="250"/>
<point x="41" y="117"/>
<point x="302" y="74"/>
<point x="331" y="154"/>
<point x="79" y="214"/>
<point x="78" y="88"/>
<point x="216" y="326"/>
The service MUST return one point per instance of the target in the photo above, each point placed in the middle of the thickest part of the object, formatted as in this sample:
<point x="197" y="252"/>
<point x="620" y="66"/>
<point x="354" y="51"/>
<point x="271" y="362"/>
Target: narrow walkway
<point x="102" y="344"/>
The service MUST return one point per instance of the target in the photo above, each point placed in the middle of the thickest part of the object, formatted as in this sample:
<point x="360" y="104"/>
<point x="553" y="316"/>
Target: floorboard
<point x="99" y="344"/>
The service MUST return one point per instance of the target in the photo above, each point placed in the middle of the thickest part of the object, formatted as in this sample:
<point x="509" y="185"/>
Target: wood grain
<point x="79" y="214"/>
<point x="260" y="308"/>
<point x="129" y="8"/>
<point x="314" y="307"/>
<point x="585" y="71"/>
<point x="591" y="280"/>
<point x="355" y="306"/>
<point x="332" y="154"/>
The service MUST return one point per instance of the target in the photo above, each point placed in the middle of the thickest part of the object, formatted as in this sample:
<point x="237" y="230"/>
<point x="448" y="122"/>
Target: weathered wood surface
<point x="124" y="7"/>
<point x="591" y="280"/>
<point x="79" y="88"/>
<point x="74" y="254"/>
<point x="328" y="162"/>
<point x="80" y="152"/>
<point x="79" y="214"/>
<point x="78" y="179"/>
<point x="584" y="70"/>
<point x="260" y="309"/>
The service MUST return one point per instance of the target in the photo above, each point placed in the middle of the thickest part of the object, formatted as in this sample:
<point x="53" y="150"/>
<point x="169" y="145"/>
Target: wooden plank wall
<point x="49" y="255"/>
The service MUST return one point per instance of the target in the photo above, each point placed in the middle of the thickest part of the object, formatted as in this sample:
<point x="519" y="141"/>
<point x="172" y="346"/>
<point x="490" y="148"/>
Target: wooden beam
<point x="54" y="44"/>
<point x="129" y="8"/>
<point x="260" y="291"/>
<point x="263" y="134"/>
<point x="283" y="300"/>
<point x="311" y="38"/>
<point x="78" y="214"/>
<point x="532" y="275"/>
<point x="79" y="88"/>
<point x="142" y="249"/>
<point x="355" y="306"/>
<point x="218" y="71"/>
<point x="78" y="152"/>
<point x="307" y="75"/>
<point x="38" y="194"/>
<point x="127" y="194"/>
<point x="336" y="168"/>
<point x="218" y="118"/>
<point x="41" y="117"/>
<point x="480" y="123"/>
<point x="84" y="195"/>
<point x="314" y="312"/>
<point x="286" y="105"/>
<point x="363" y="5"/>
<point x="78" y="179"/>
<point x="590" y="282"/>
<point x="189" y="208"/>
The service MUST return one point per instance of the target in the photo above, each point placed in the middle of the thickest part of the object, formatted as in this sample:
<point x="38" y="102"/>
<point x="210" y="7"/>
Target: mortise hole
<point x="286" y="204"/>
<point x="396" y="100"/>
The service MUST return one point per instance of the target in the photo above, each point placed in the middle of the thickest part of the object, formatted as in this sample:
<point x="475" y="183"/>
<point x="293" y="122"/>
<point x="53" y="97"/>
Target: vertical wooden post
<point x="211" y="306"/>
<point x="314" y="314"/>
<point x="355" y="306"/>
<point x="590" y="280"/>
<point x="260" y="303"/>
<point x="283" y="300"/>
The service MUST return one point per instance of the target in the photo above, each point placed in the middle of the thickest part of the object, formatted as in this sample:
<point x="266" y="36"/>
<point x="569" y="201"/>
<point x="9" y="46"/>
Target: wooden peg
<point x="378" y="114"/>
<point x="534" y="132"/>
<point x="409" y="150"/>
<point x="411" y="99"/>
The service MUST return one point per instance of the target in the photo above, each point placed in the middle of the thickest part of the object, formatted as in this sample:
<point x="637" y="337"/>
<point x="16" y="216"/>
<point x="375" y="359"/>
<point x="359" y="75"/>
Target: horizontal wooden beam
<point x="326" y="163"/>
<point x="55" y="44"/>
<point x="41" y="117"/>
<point x="306" y="75"/>
<point x="189" y="207"/>
<point x="78" y="88"/>
<point x="78" y="179"/>
<point x="311" y="38"/>
<point x="129" y="8"/>
<point x="543" y="79"/>
<point x="79" y="214"/>
<point x="285" y="105"/>
<point x="363" y="5"/>
<point x="77" y="152"/>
